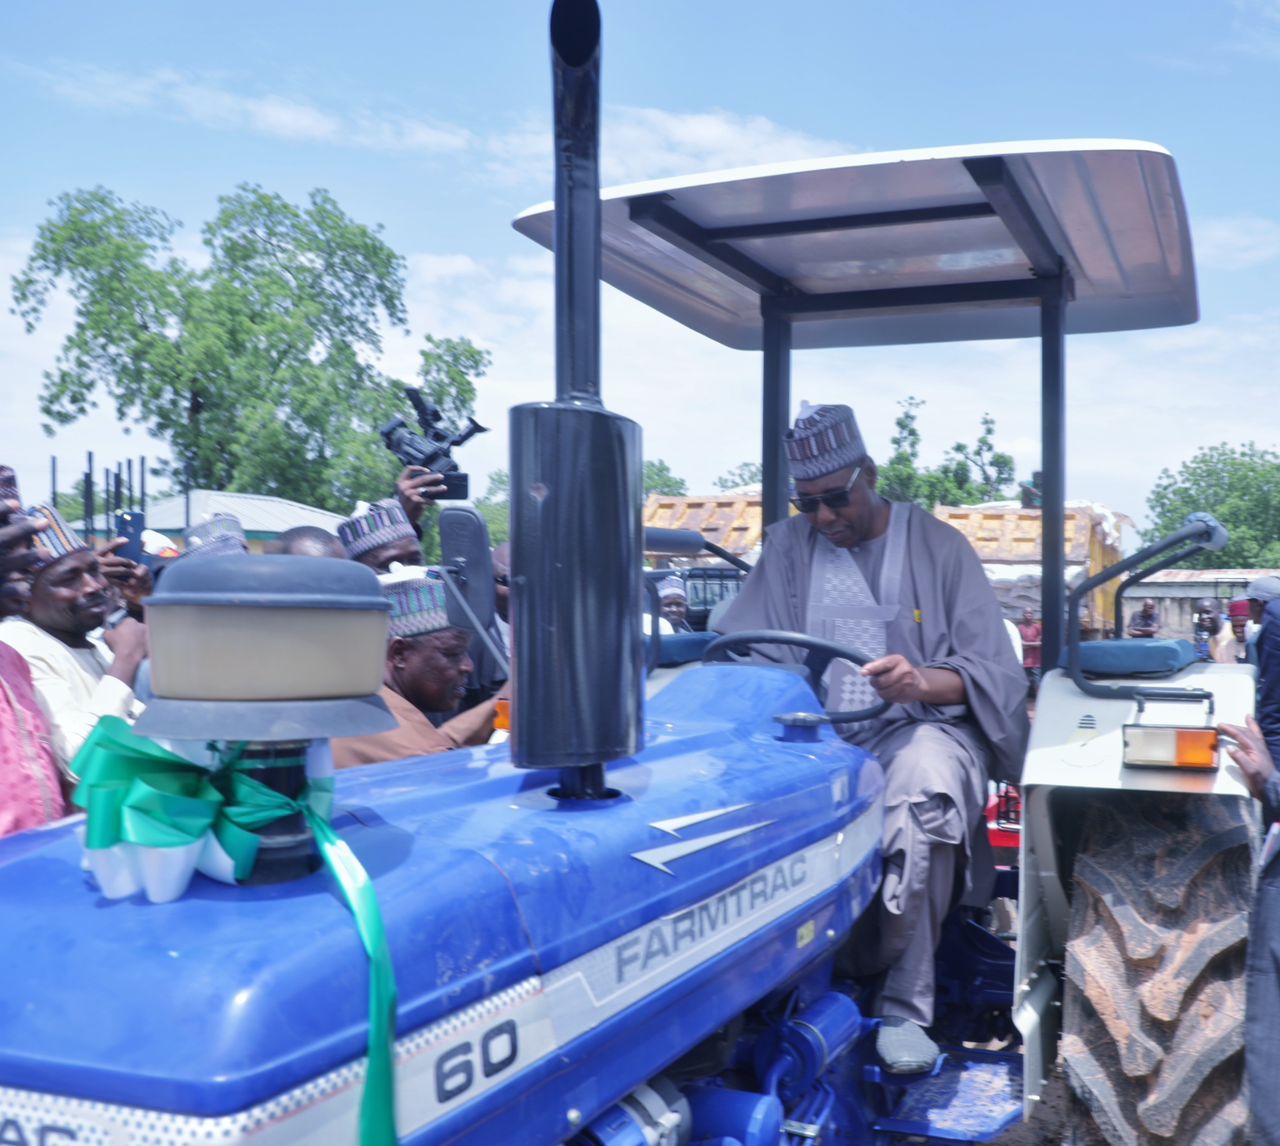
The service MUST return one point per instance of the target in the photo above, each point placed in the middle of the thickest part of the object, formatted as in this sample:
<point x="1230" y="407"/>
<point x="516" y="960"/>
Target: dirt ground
<point x="1049" y="1125"/>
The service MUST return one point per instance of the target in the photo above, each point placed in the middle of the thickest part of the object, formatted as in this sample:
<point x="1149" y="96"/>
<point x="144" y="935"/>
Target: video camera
<point x="430" y="449"/>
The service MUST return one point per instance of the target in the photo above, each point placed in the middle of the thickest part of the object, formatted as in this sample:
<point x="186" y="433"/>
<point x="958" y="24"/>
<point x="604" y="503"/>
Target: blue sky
<point x="432" y="119"/>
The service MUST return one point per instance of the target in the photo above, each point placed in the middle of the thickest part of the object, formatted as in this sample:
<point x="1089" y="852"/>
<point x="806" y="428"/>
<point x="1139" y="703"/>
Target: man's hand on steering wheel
<point x="896" y="679"/>
<point x="821" y="653"/>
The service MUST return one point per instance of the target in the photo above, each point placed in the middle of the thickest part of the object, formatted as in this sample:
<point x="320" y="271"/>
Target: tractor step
<point x="974" y="1097"/>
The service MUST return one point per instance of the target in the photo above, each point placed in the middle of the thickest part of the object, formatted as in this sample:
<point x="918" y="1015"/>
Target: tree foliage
<point x="495" y="507"/>
<point x="256" y="368"/>
<point x="967" y="475"/>
<point x="71" y="505"/>
<point x="1240" y="486"/>
<point x="448" y="368"/>
<point x="658" y="478"/>
<point x="748" y="473"/>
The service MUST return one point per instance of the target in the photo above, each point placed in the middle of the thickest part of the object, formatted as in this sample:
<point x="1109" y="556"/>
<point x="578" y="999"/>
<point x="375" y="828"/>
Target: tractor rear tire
<point x="1153" y="1021"/>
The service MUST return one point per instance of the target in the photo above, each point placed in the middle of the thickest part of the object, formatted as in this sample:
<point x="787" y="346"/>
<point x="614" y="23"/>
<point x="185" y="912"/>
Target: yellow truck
<point x="1006" y="538"/>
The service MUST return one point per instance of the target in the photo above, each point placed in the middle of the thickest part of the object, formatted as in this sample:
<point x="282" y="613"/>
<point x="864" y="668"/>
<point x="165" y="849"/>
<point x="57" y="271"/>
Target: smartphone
<point x="130" y="524"/>
<point x="455" y="487"/>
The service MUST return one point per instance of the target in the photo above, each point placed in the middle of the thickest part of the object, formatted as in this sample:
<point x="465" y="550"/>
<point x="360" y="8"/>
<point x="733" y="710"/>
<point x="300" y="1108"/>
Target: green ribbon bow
<point x="134" y="791"/>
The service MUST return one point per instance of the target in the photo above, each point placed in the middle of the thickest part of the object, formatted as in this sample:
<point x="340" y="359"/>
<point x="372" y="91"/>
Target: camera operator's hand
<point x="131" y="578"/>
<point x="418" y="488"/>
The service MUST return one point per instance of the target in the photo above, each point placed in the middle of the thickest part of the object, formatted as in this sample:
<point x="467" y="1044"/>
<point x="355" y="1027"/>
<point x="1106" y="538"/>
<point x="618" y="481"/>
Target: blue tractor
<point x="623" y="926"/>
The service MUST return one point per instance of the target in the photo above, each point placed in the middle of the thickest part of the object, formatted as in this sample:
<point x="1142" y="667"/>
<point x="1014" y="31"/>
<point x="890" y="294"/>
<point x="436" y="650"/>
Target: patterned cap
<point x="56" y="541"/>
<point x="372" y="526"/>
<point x="218" y="535"/>
<point x="671" y="587"/>
<point x="1263" y="589"/>
<point x="824" y="439"/>
<point x="418" y="602"/>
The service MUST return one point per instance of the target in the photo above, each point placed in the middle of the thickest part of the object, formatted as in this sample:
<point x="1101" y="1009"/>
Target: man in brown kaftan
<point x="900" y="586"/>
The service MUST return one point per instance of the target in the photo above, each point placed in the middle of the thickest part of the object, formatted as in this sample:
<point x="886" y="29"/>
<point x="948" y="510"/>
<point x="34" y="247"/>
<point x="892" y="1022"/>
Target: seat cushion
<point x="1133" y="657"/>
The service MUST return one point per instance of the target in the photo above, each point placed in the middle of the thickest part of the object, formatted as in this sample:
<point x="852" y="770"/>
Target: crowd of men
<point x="886" y="578"/>
<point x="73" y="641"/>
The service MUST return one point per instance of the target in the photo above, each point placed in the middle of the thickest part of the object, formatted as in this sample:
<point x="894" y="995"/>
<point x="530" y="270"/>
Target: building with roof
<point x="264" y="518"/>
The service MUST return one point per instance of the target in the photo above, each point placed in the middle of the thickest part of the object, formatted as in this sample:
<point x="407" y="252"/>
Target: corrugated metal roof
<point x="1198" y="576"/>
<point x="258" y="513"/>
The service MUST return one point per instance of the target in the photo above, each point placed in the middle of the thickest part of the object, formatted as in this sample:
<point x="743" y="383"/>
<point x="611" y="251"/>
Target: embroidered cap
<point x="672" y="587"/>
<point x="218" y="535"/>
<point x="418" y="602"/>
<point x="56" y="541"/>
<point x="1239" y="607"/>
<point x="372" y="526"/>
<point x="823" y="440"/>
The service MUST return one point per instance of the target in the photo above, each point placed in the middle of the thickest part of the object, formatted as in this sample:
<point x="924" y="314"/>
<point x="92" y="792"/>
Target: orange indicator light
<point x="1164" y="746"/>
<point x="1197" y="747"/>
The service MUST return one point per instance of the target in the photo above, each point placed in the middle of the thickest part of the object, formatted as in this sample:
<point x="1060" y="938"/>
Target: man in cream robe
<point x="893" y="582"/>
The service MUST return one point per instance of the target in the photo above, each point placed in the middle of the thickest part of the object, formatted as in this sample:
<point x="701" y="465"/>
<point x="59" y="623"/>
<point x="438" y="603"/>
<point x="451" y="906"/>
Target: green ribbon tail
<point x="137" y="792"/>
<point x="378" y="1103"/>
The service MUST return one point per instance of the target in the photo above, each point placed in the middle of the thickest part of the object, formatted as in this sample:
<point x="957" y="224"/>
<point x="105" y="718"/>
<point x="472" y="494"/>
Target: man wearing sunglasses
<point x="907" y="590"/>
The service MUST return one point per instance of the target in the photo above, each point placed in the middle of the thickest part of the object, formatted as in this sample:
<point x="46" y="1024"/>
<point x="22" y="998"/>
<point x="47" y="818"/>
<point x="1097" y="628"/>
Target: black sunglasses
<point x="501" y="579"/>
<point x="833" y="499"/>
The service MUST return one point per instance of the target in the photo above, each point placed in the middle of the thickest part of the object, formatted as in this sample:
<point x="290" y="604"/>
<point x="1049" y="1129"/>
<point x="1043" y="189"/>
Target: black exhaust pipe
<point x="576" y="485"/>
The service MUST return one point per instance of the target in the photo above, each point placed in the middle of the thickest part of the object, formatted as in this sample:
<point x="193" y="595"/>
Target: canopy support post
<point x="1053" y="347"/>
<point x="776" y="412"/>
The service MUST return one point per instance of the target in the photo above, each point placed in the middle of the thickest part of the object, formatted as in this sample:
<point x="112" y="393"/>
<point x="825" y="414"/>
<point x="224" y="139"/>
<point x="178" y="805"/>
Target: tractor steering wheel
<point x="821" y="654"/>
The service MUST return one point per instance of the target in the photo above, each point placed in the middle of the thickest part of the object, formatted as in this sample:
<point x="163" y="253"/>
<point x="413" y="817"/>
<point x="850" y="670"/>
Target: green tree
<point x="495" y="507"/>
<point x="748" y="473"/>
<point x="967" y="475"/>
<point x="256" y="368"/>
<point x="994" y="469"/>
<point x="71" y="505"/>
<point x="899" y="477"/>
<point x="1240" y="486"/>
<point x="658" y="478"/>
<point x="448" y="369"/>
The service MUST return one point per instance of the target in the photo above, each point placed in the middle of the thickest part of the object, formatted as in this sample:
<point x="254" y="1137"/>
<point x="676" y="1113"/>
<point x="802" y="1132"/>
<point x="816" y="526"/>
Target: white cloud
<point x="212" y="102"/>
<point x="640" y="143"/>
<point x="647" y="143"/>
<point x="1236" y="243"/>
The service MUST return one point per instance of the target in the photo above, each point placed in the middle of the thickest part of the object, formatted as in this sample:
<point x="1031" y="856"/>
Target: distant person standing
<point x="1207" y="623"/>
<point x="1032" y="634"/>
<point x="1146" y="621"/>
<point x="1232" y="645"/>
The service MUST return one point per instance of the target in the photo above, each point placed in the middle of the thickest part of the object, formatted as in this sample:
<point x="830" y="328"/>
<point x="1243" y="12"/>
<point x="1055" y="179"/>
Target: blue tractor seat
<point x="1136" y="657"/>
